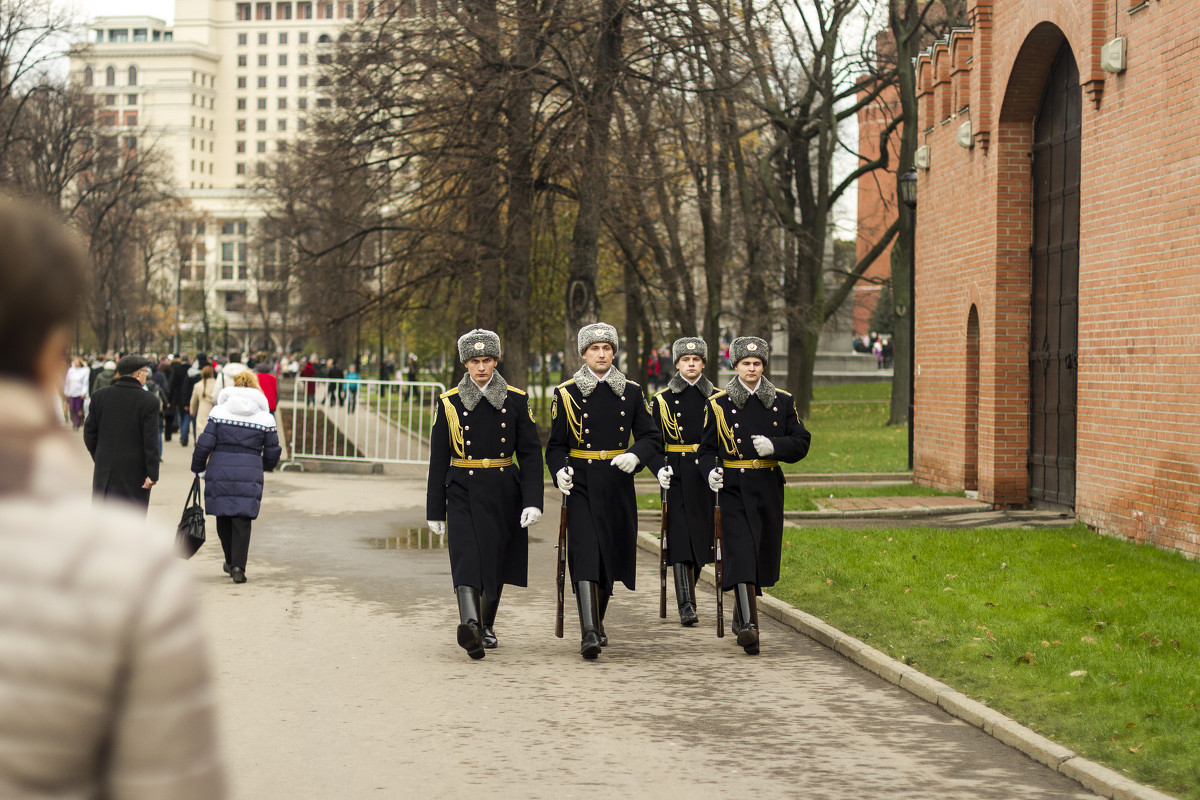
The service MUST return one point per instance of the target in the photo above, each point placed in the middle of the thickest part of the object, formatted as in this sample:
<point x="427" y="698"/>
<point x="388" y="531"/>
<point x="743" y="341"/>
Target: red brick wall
<point x="1138" y="445"/>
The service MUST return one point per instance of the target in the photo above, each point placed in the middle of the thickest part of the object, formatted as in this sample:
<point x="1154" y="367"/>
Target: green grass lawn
<point x="1091" y="641"/>
<point x="804" y="498"/>
<point x="850" y="431"/>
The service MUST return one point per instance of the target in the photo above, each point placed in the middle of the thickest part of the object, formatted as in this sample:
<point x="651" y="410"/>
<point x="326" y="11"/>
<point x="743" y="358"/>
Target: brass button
<point x="504" y="411"/>
<point x="622" y="413"/>
<point x="743" y="469"/>
<point x="604" y="454"/>
<point x="487" y="462"/>
<point x="756" y="463"/>
<point x="466" y="412"/>
<point x="776" y="424"/>
<point x="470" y="472"/>
<point x="622" y="397"/>
<point x="468" y="441"/>
<point x="503" y="424"/>
<point x="585" y="415"/>
<point x="589" y="461"/>
<point x="466" y="427"/>
<point x="587" y="430"/>
<point x="501" y="440"/>
<point x="737" y="425"/>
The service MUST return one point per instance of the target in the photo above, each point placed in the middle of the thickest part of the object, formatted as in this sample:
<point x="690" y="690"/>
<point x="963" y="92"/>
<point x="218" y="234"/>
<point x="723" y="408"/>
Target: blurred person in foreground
<point x="104" y="683"/>
<point x="122" y="433"/>
<point x="238" y="444"/>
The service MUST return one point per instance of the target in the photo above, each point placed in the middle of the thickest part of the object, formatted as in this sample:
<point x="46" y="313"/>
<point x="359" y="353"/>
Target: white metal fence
<point x="362" y="420"/>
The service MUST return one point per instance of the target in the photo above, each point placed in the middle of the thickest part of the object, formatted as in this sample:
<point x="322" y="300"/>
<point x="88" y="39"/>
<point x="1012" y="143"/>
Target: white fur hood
<point x="244" y="406"/>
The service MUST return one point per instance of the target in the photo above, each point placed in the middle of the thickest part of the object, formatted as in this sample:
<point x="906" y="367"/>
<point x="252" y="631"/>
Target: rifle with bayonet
<point x="562" y="569"/>
<point x="662" y="561"/>
<point x="719" y="565"/>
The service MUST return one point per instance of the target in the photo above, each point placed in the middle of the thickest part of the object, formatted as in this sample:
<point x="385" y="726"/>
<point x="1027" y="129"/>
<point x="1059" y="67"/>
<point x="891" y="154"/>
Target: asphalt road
<point x="339" y="677"/>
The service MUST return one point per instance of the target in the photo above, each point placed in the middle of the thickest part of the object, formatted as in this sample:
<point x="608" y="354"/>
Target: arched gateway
<point x="1054" y="311"/>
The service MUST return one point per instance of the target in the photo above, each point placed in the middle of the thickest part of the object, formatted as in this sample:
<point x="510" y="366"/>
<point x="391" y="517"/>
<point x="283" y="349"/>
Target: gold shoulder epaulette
<point x="447" y="394"/>
<point x="567" y="382"/>
<point x="660" y="394"/>
<point x="515" y="389"/>
<point x="782" y="392"/>
<point x="715" y="395"/>
<point x="633" y="383"/>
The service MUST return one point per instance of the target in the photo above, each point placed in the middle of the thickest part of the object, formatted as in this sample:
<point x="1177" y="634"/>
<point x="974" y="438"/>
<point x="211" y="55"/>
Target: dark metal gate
<point x="1054" y="318"/>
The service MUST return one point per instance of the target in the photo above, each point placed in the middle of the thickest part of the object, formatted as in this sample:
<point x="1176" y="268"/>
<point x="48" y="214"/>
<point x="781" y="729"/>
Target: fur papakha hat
<point x="477" y="344"/>
<point x="688" y="346"/>
<point x="598" y="332"/>
<point x="748" y="347"/>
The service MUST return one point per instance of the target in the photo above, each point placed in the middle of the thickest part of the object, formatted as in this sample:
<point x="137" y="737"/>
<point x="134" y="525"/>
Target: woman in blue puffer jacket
<point x="239" y="443"/>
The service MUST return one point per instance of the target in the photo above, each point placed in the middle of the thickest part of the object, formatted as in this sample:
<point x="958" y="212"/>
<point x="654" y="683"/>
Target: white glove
<point x="530" y="516"/>
<point x="716" y="479"/>
<point x="438" y="526"/>
<point x="626" y="462"/>
<point x="564" y="480"/>
<point x="763" y="445"/>
<point x="664" y="477"/>
<point x="198" y="475"/>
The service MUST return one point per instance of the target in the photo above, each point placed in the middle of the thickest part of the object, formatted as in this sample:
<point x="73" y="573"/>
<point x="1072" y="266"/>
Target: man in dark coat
<point x="180" y="394"/>
<point x="593" y="415"/>
<point x="476" y="493"/>
<point x="750" y="428"/>
<point x="679" y="413"/>
<point x="121" y="433"/>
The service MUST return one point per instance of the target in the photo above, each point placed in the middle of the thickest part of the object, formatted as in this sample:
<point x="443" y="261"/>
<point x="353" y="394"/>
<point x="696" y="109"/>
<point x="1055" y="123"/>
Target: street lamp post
<point x="906" y="185"/>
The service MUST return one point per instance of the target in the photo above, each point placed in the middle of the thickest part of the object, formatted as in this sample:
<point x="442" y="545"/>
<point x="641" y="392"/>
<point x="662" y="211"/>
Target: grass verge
<point x="850" y="431"/>
<point x="1091" y="641"/>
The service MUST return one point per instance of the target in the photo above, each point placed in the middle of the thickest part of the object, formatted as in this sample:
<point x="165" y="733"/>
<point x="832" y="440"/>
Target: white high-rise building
<point x="219" y="92"/>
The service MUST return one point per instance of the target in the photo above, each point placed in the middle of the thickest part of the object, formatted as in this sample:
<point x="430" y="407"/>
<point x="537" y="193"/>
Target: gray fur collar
<point x="738" y="394"/>
<point x="677" y="384"/>
<point x="496" y="391"/>
<point x="587" y="381"/>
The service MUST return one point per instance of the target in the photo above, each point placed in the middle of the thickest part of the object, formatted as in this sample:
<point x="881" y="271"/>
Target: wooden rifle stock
<point x="719" y="566"/>
<point x="662" y="561"/>
<point x="562" y="569"/>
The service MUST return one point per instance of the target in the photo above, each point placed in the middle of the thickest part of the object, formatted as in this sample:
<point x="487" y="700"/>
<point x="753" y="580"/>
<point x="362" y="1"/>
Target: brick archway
<point x="1005" y="375"/>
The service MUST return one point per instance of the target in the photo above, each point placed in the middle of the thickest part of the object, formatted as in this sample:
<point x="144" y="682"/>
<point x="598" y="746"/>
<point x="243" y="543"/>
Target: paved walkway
<point x="339" y="677"/>
<point x="859" y="504"/>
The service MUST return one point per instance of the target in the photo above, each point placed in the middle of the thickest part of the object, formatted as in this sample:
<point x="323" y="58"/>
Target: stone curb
<point x="889" y="513"/>
<point x="1097" y="778"/>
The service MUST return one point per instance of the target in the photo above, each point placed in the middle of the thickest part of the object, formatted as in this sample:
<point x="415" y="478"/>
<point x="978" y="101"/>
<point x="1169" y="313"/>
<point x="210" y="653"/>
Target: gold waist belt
<point x="682" y="448"/>
<point x="603" y="455"/>
<point x="481" y="463"/>
<point x="757" y="463"/>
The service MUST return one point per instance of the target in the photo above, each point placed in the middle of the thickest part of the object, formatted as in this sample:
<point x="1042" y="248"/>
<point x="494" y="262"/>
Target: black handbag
<point x="190" y="534"/>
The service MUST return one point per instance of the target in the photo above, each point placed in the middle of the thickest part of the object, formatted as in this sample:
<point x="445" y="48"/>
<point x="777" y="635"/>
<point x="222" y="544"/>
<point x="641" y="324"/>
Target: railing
<point x="363" y="420"/>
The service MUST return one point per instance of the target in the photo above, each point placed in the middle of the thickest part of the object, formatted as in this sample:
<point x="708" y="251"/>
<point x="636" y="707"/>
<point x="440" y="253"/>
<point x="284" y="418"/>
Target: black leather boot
<point x="685" y="596"/>
<point x="737" y="618"/>
<point x="470" y="632"/>
<point x="604" y="595"/>
<point x="744" y="599"/>
<point x="489" y="618"/>
<point x="589" y="619"/>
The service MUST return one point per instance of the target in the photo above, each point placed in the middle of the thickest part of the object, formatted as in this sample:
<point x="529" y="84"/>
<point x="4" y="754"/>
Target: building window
<point x="283" y="81"/>
<point x="110" y="99"/>
<point x="304" y="38"/>
<point x="262" y="104"/>
<point x="302" y="102"/>
<point x="262" y="60"/>
<point x="131" y="118"/>
<point x="281" y="145"/>
<point x="302" y="124"/>
<point x="280" y="124"/>
<point x="110" y="76"/>
<point x="283" y="38"/>
<point x="326" y="11"/>
<point x="260" y="169"/>
<point x="262" y="38"/>
<point x="283" y="59"/>
<point x="346" y="10"/>
<point x="241" y="168"/>
<point x="303" y="11"/>
<point x="234" y="301"/>
<point x="241" y="40"/>
<point x="262" y="124"/>
<point x="132" y="76"/>
<point x="303" y="60"/>
<point x="241" y="82"/>
<point x="241" y="124"/>
<point x="242" y="60"/>
<point x="89" y="76"/>
<point x="241" y="104"/>
<point x="262" y="82"/>
<point x="282" y="103"/>
<point x="243" y="11"/>
<point x="118" y="35"/>
<point x="131" y="143"/>
<point x="241" y="146"/>
<point x="131" y="99"/>
<point x="283" y="11"/>
<point x="302" y="81"/>
<point x="139" y="34"/>
<point x="262" y="11"/>
<point x="325" y="39"/>
<point x="323" y="102"/>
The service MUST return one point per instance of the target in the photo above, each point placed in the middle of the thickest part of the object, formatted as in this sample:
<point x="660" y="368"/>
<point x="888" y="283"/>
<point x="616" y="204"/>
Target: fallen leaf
<point x="1129" y="725"/>
<point x="1025" y="659"/>
<point x="990" y="603"/>
<point x="1135" y="749"/>
<point x="1079" y="673"/>
<point x="1087" y="639"/>
<point x="1045" y="643"/>
<point x="829" y="581"/>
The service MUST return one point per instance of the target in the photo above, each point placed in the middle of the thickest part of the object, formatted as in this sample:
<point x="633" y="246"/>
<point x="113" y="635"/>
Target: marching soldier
<point x="750" y="428"/>
<point x="679" y="411"/>
<point x="593" y="416"/>
<point x="476" y="493"/>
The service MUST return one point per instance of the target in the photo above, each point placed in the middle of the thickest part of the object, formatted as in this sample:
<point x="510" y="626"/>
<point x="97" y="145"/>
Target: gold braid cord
<point x="571" y="409"/>
<point x="456" y="431"/>
<point x="724" y="432"/>
<point x="670" y="427"/>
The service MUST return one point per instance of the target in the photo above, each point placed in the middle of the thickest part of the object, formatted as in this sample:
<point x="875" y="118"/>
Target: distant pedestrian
<point x="204" y="397"/>
<point x="105" y="377"/>
<point x="121" y="433"/>
<point x="75" y="389"/>
<point x="238" y="444"/>
<point x="310" y="386"/>
<point x="268" y="383"/>
<point x="181" y="398"/>
<point x="335" y="389"/>
<point x="352" y="380"/>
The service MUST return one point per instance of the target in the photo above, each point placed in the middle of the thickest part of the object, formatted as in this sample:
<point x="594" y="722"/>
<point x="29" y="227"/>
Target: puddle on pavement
<point x="408" y="539"/>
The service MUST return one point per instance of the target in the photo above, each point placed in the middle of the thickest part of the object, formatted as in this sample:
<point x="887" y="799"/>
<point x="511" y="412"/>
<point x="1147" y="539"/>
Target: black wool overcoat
<point x="679" y="412"/>
<point x="482" y="507"/>
<point x="602" y="506"/>
<point x="121" y="433"/>
<point x="752" y="499"/>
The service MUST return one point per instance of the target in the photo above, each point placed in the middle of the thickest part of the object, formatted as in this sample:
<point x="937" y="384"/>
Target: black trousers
<point x="234" y="533"/>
